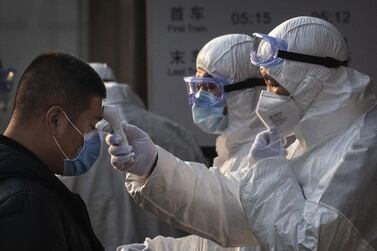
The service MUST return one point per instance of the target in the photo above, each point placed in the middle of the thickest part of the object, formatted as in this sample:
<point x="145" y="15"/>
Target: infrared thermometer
<point x="111" y="115"/>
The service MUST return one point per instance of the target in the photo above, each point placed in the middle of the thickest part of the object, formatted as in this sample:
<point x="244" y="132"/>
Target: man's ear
<point x="54" y="119"/>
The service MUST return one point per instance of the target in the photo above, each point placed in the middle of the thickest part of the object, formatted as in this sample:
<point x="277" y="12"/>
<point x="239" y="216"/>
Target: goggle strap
<point x="325" y="61"/>
<point x="248" y="83"/>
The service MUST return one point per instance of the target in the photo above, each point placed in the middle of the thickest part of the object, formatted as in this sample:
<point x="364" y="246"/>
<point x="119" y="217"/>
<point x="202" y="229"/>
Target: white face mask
<point x="279" y="111"/>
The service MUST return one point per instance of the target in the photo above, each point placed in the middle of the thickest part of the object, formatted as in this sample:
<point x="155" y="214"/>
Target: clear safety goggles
<point x="215" y="89"/>
<point x="270" y="51"/>
<point x="6" y="79"/>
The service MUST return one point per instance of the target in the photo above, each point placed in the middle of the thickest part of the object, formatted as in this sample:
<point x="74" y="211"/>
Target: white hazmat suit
<point x="115" y="217"/>
<point x="322" y="197"/>
<point x="227" y="57"/>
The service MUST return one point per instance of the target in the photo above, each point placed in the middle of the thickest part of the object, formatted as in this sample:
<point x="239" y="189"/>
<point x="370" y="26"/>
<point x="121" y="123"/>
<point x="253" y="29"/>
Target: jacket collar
<point x="26" y="164"/>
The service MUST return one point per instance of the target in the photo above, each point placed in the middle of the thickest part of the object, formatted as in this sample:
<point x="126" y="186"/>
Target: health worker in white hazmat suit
<point x="321" y="196"/>
<point x="223" y="97"/>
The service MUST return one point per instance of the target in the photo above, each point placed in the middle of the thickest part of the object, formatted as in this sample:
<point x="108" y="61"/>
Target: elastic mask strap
<point x="325" y="61"/>
<point x="73" y="124"/>
<point x="57" y="143"/>
<point x="248" y="83"/>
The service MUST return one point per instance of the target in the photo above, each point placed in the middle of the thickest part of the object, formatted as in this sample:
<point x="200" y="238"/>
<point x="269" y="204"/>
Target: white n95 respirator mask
<point x="279" y="111"/>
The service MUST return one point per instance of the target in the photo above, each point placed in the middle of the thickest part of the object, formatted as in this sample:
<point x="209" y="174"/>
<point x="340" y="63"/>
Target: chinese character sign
<point x="178" y="29"/>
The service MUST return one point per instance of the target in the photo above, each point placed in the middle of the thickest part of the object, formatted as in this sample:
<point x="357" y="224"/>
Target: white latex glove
<point x="131" y="247"/>
<point x="140" y="148"/>
<point x="268" y="143"/>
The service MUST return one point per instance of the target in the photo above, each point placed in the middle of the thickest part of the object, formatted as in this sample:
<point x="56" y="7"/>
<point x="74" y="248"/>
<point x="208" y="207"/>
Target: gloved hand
<point x="140" y="148"/>
<point x="131" y="247"/>
<point x="268" y="143"/>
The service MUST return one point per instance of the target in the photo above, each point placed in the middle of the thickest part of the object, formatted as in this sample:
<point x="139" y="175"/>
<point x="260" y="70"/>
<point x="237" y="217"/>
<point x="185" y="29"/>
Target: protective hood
<point x="326" y="94"/>
<point x="104" y="71"/>
<point x="227" y="57"/>
<point x="118" y="93"/>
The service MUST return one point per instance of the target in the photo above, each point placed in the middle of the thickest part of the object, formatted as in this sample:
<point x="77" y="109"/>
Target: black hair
<point x="56" y="78"/>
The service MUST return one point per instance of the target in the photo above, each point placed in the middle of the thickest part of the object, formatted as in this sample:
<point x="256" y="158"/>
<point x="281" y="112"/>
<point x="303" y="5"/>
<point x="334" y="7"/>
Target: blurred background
<point x="152" y="44"/>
